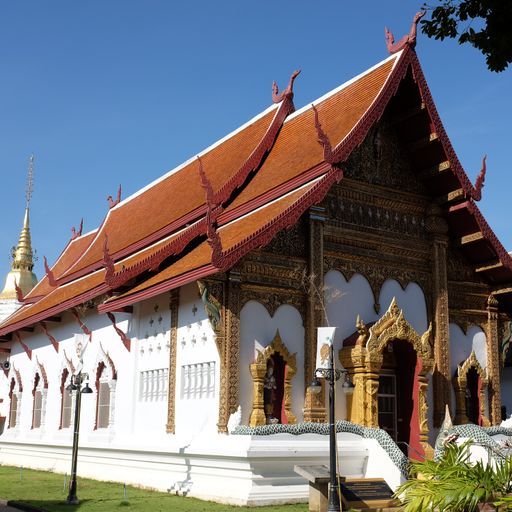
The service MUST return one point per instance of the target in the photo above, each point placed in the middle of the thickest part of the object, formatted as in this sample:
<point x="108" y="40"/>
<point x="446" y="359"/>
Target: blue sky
<point x="121" y="91"/>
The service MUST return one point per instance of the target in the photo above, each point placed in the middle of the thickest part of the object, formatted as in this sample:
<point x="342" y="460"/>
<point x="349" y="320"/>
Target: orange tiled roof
<point x="296" y="173"/>
<point x="68" y="256"/>
<point x="230" y="235"/>
<point x="175" y="196"/>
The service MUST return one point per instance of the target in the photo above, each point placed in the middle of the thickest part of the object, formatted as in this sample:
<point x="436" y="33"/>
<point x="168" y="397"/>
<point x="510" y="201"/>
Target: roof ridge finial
<point x="476" y="194"/>
<point x="407" y="40"/>
<point x="30" y="180"/>
<point x="288" y="92"/>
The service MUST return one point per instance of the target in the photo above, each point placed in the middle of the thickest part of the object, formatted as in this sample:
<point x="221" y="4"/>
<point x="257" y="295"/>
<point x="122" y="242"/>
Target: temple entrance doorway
<point x="397" y="395"/>
<point x="473" y="397"/>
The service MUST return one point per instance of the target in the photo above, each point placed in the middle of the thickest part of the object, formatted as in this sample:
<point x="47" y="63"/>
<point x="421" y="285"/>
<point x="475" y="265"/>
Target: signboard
<point x="367" y="493"/>
<point x="324" y="341"/>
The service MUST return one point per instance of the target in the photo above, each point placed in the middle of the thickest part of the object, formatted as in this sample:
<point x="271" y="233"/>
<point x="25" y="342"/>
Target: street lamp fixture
<point x="76" y="385"/>
<point x="331" y="375"/>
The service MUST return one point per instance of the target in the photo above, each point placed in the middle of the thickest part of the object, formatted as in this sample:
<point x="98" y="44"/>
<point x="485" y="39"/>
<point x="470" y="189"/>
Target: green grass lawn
<point x="46" y="491"/>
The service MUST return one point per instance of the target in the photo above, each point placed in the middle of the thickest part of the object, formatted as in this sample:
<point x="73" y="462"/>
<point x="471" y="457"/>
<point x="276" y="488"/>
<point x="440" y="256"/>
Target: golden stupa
<point x="22" y="255"/>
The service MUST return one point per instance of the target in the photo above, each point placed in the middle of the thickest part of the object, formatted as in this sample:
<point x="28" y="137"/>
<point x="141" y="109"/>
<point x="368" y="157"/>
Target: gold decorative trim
<point x="364" y="361"/>
<point x="174" y="303"/>
<point x="460" y="383"/>
<point x="258" y="371"/>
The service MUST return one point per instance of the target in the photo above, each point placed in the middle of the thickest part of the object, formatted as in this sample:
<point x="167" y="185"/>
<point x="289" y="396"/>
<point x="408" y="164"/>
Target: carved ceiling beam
<point x="452" y="197"/>
<point x="435" y="170"/>
<point x="470" y="239"/>
<point x="423" y="142"/>
<point x="489" y="266"/>
<point x="408" y="114"/>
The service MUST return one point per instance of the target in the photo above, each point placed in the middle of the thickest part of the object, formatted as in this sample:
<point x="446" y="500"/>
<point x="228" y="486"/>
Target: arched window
<point x="66" y="400"/>
<point x="37" y="409"/>
<point x="106" y="379"/>
<point x="14" y="396"/>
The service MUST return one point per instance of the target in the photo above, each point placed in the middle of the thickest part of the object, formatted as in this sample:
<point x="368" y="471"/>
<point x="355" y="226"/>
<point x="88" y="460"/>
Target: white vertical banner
<point x="324" y="341"/>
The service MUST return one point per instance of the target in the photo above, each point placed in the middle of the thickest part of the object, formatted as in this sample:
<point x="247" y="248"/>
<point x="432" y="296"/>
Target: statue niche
<point x="272" y="373"/>
<point x="470" y="384"/>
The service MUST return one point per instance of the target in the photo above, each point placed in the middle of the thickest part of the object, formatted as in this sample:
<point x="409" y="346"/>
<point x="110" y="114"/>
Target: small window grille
<point x="198" y="381"/>
<point x="153" y="385"/>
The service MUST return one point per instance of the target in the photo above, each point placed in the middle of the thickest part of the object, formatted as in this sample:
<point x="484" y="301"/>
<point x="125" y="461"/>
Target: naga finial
<point x="479" y="184"/>
<point x="76" y="233"/>
<point x="111" y="202"/>
<point x="288" y="92"/>
<point x="322" y="138"/>
<point x="408" y="40"/>
<point x="363" y="331"/>
<point x="214" y="240"/>
<point x="108" y="262"/>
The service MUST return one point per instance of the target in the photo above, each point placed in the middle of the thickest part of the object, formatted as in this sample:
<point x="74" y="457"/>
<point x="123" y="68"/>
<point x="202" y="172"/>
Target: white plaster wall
<point x="151" y="349"/>
<point x="411" y="301"/>
<point x="344" y="300"/>
<point x="196" y="344"/>
<point x="104" y="338"/>
<point x="257" y="330"/>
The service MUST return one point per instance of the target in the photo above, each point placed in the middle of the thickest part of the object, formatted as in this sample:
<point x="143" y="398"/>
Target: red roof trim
<point x="275" y="193"/>
<point x="251" y="165"/>
<point x="228" y="258"/>
<point x="141" y="244"/>
<point x="58" y="308"/>
<point x="162" y="287"/>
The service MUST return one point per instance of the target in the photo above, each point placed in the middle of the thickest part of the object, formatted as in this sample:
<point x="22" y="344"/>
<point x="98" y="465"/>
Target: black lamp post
<point x="76" y="385"/>
<point x="331" y="375"/>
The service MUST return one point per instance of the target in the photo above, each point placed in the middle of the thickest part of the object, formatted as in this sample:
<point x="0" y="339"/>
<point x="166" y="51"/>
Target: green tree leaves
<point x="484" y="24"/>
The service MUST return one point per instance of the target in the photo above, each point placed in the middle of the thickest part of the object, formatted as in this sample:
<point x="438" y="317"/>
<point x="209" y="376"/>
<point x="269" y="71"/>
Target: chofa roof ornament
<point x="288" y="92"/>
<point x="408" y="40"/>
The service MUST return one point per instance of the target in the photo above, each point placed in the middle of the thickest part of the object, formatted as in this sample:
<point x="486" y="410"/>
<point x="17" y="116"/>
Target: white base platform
<point x="238" y="470"/>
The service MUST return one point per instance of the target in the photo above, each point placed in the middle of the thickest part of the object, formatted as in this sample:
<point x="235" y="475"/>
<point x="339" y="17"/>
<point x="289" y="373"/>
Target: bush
<point x="453" y="484"/>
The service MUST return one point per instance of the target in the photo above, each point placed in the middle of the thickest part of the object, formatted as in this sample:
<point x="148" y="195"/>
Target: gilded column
<point x="423" y="416"/>
<point x="493" y="360"/>
<point x="438" y="229"/>
<point x="174" y="303"/>
<point x="230" y="356"/>
<point x="314" y="407"/>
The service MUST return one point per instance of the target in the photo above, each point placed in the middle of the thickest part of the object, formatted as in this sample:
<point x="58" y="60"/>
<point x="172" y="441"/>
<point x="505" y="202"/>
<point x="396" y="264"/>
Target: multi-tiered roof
<point x="203" y="216"/>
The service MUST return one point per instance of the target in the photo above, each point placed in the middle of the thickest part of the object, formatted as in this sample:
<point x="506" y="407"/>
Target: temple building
<point x="193" y="308"/>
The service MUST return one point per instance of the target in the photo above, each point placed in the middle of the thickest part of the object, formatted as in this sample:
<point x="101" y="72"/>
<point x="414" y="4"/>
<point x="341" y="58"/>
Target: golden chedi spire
<point x="21" y="274"/>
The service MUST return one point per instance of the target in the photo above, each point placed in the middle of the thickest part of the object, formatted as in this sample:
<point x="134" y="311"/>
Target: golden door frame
<point x="460" y="382"/>
<point x="258" y="371"/>
<point x="364" y="361"/>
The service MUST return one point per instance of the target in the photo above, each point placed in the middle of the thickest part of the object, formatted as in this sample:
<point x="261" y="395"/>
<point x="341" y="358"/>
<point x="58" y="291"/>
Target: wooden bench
<point x="318" y="478"/>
